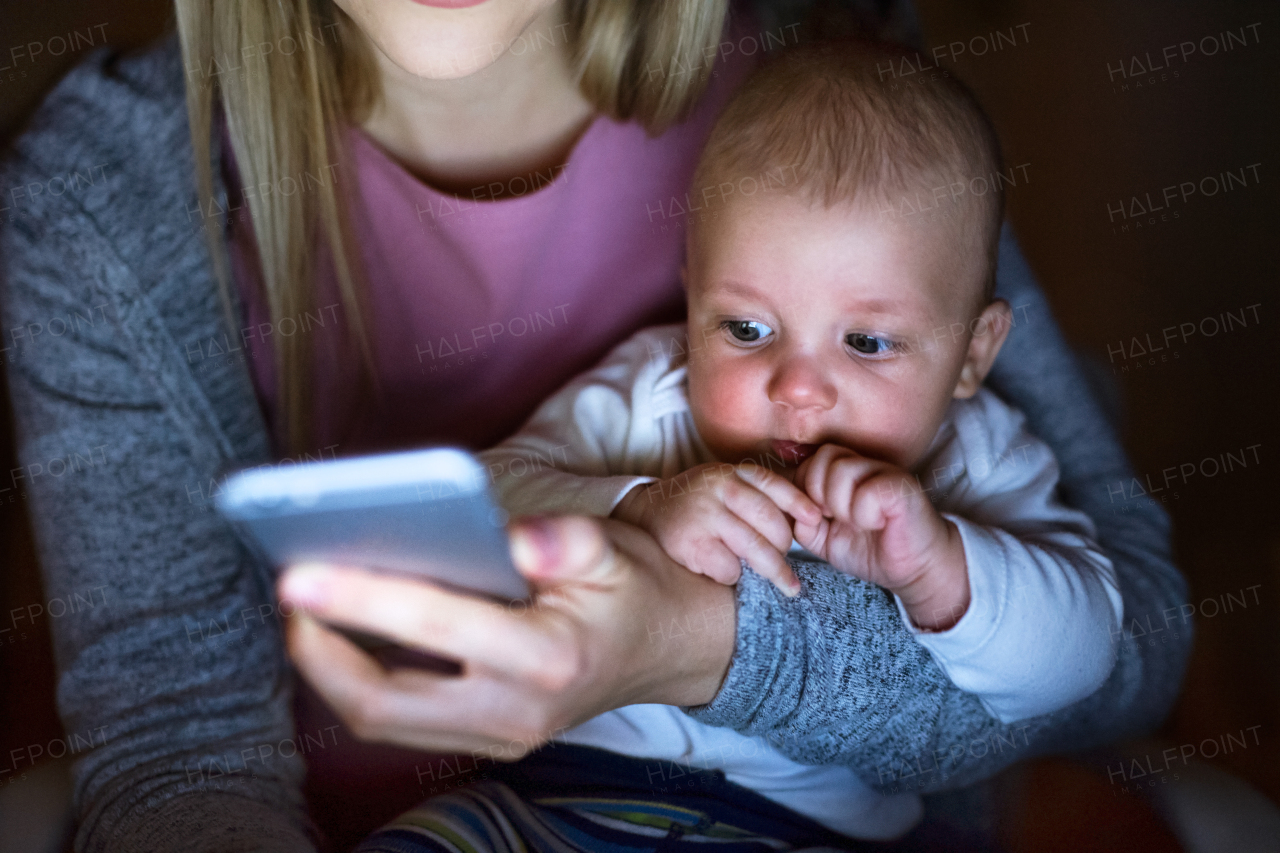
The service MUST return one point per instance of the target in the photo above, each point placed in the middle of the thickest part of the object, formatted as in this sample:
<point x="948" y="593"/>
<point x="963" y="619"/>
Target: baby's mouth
<point x="792" y="452"/>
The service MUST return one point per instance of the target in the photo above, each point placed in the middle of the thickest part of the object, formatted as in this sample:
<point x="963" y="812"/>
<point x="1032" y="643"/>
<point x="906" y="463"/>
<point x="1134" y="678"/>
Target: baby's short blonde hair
<point x="844" y="122"/>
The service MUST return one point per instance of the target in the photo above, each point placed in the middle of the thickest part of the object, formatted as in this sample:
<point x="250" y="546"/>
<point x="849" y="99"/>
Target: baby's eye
<point x="747" y="331"/>
<point x="868" y="344"/>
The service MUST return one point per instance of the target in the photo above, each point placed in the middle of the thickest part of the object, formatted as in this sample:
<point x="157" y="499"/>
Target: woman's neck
<point x="517" y="118"/>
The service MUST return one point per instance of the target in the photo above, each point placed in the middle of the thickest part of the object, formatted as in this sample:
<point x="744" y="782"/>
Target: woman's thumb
<point x="557" y="549"/>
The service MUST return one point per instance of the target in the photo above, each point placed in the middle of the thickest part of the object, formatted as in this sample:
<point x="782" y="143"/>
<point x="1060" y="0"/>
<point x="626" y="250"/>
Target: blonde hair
<point x="834" y="123"/>
<point x="641" y="60"/>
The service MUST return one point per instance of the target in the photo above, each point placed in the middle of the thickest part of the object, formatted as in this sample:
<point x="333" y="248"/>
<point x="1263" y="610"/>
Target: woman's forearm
<point x="689" y="631"/>
<point x="833" y="677"/>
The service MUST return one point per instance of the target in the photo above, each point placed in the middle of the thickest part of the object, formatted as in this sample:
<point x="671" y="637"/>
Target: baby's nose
<point x="801" y="383"/>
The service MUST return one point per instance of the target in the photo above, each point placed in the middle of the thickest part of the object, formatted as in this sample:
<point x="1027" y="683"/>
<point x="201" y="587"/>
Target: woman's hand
<point x="613" y="622"/>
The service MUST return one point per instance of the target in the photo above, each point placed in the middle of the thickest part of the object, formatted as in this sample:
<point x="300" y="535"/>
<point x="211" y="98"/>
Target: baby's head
<point x="840" y="288"/>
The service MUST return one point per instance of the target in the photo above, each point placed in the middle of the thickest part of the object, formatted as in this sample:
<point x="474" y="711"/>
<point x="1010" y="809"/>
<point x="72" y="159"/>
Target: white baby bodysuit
<point x="1044" y="608"/>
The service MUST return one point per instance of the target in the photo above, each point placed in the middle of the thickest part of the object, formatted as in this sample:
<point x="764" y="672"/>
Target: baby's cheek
<point x="894" y="432"/>
<point x="727" y="404"/>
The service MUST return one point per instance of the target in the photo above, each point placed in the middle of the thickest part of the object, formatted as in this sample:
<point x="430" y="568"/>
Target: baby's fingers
<point x="818" y="476"/>
<point x="767" y="561"/>
<point x="845" y="479"/>
<point x="710" y="557"/>
<point x="882" y="497"/>
<point x="813" y="537"/>
<point x="784" y="494"/>
<point x="759" y="512"/>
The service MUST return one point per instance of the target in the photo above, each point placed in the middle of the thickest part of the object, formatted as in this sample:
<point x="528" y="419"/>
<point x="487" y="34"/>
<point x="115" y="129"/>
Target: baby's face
<point x="810" y="325"/>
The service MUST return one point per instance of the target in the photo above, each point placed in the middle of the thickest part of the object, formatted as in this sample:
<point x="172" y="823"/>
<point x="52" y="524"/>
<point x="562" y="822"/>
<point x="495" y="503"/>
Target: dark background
<point x="1057" y="99"/>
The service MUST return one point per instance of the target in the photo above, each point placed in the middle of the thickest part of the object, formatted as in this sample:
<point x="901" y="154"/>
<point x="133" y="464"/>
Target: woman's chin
<point x="450" y="4"/>
<point x="440" y="40"/>
<point x="443" y="61"/>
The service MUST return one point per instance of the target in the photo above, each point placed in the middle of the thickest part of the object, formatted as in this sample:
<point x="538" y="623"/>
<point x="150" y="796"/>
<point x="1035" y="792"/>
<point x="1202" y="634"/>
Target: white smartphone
<point x="423" y="513"/>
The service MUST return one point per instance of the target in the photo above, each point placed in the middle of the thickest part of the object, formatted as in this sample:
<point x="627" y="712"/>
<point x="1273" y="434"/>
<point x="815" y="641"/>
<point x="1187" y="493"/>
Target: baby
<point x="827" y="389"/>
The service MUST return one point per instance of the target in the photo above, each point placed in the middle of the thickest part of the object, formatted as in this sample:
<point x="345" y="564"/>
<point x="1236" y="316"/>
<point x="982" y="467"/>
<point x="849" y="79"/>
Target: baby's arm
<point x="1035" y="627"/>
<point x="570" y="457"/>
<point x="1041" y="631"/>
<point x="592" y="447"/>
<point x="1042" y="628"/>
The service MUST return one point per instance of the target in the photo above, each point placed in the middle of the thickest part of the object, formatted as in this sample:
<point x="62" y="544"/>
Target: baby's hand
<point x="878" y="525"/>
<point x="711" y="516"/>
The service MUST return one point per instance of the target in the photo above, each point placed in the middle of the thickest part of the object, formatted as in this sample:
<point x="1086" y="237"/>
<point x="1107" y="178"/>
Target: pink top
<point x="479" y="309"/>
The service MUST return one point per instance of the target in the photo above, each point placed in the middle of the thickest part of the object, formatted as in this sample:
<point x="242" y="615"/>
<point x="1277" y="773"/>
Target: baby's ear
<point x="990" y="329"/>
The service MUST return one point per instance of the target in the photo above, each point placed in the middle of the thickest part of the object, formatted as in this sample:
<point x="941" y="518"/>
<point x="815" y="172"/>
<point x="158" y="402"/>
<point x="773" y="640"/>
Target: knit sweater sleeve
<point x="171" y="667"/>
<point x="833" y="676"/>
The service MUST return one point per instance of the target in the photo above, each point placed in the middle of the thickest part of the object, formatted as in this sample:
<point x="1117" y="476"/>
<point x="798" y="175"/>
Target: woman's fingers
<point x="417" y="615"/>
<point x="570" y="656"/>
<point x="549" y="550"/>
<point x="408" y="707"/>
<point x="316" y="650"/>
